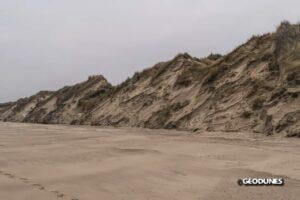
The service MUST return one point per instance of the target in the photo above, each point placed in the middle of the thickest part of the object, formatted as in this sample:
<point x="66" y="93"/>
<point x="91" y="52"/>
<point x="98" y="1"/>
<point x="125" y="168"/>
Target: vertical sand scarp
<point x="255" y="88"/>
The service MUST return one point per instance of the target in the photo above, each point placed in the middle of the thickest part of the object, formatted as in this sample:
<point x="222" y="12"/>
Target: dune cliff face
<point x="255" y="88"/>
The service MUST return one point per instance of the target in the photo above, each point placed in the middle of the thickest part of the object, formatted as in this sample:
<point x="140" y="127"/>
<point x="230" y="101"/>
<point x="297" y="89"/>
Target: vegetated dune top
<point x="255" y="88"/>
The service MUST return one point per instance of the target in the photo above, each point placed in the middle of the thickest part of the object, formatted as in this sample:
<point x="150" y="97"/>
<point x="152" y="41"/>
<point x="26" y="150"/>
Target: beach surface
<point x="58" y="162"/>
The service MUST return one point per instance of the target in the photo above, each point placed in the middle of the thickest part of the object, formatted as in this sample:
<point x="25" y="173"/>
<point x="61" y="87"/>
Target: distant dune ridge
<point x="254" y="88"/>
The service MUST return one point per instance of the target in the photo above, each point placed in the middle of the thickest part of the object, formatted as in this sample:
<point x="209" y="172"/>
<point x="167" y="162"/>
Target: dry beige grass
<point x="255" y="88"/>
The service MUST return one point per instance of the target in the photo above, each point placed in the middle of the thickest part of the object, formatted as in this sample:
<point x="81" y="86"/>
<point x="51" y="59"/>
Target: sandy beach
<point x="50" y="162"/>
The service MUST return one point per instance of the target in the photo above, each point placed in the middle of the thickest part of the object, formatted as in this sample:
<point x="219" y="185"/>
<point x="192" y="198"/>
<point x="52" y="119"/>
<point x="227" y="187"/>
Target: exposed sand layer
<point x="255" y="88"/>
<point x="50" y="162"/>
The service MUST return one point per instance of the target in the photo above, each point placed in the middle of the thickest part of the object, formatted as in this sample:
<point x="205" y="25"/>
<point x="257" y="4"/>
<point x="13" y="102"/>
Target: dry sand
<point x="50" y="162"/>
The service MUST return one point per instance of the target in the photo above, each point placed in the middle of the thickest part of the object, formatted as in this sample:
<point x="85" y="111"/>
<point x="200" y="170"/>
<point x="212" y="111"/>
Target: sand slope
<point x="255" y="88"/>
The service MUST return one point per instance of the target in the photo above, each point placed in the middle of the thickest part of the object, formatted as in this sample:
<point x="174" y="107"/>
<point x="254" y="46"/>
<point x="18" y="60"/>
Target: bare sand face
<point x="41" y="162"/>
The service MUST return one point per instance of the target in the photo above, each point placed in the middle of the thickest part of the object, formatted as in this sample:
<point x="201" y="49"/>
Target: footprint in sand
<point x="39" y="186"/>
<point x="58" y="194"/>
<point x="9" y="175"/>
<point x="24" y="180"/>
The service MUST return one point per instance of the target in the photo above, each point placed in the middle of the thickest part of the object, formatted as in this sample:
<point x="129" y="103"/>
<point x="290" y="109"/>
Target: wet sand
<point x="52" y="162"/>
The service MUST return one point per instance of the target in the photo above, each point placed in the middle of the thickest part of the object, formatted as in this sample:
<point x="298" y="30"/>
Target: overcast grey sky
<point x="47" y="44"/>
